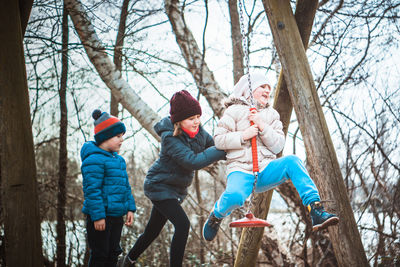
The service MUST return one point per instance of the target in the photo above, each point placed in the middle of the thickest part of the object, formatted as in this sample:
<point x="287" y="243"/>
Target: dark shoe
<point x="211" y="227"/>
<point x="320" y="218"/>
<point x="125" y="262"/>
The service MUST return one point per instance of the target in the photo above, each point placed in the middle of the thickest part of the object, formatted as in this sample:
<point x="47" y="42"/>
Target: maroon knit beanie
<point x="183" y="106"/>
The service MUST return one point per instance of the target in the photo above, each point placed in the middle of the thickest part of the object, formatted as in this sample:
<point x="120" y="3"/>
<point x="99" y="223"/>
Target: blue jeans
<point x="240" y="185"/>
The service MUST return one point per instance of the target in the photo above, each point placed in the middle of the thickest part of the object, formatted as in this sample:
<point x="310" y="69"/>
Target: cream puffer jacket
<point x="228" y="136"/>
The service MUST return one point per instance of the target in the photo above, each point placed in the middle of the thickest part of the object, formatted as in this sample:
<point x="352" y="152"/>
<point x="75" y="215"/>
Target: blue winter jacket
<point x="171" y="175"/>
<point x="105" y="183"/>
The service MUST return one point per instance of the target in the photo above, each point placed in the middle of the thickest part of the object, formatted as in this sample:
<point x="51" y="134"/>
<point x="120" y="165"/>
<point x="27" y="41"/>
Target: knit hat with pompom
<point x="106" y="126"/>
<point x="183" y="106"/>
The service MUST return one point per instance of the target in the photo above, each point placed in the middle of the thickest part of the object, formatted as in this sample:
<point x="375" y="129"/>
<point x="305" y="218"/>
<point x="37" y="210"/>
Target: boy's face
<point x="113" y="144"/>
<point x="262" y="94"/>
<point x="191" y="123"/>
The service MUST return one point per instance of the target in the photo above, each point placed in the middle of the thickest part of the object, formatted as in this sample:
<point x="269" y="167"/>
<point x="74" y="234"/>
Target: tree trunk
<point x="25" y="7"/>
<point x="63" y="153"/>
<point x="321" y="154"/>
<point x="23" y="244"/>
<point x="112" y="77"/>
<point x="237" y="46"/>
<point x="2" y="240"/>
<point x="119" y="44"/>
<point x="202" y="75"/>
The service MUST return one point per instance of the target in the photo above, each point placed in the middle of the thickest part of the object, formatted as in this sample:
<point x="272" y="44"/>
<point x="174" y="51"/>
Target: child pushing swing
<point x="236" y="128"/>
<point x="185" y="147"/>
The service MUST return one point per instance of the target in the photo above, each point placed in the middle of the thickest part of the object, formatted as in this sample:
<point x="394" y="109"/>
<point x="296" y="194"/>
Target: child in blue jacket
<point x="185" y="147"/>
<point x="107" y="193"/>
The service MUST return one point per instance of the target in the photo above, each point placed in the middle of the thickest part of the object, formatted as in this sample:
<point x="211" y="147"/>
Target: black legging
<point x="162" y="211"/>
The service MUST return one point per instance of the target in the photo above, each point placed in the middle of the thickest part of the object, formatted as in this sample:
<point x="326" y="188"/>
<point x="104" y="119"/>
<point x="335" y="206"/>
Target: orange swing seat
<point x="250" y="221"/>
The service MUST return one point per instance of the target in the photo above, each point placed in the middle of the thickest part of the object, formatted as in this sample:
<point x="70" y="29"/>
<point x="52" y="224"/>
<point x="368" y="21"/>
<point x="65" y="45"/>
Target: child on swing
<point x="233" y="135"/>
<point x="185" y="147"/>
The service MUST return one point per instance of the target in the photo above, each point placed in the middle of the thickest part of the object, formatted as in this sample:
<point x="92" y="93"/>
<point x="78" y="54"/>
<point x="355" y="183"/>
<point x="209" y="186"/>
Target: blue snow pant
<point x="240" y="185"/>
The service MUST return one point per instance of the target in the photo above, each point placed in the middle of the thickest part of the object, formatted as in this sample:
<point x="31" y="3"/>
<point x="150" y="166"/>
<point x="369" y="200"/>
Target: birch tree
<point x="107" y="70"/>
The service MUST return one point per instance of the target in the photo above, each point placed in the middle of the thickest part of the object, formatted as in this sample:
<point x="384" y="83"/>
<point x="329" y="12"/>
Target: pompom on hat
<point x="241" y="88"/>
<point x="106" y="126"/>
<point x="183" y="106"/>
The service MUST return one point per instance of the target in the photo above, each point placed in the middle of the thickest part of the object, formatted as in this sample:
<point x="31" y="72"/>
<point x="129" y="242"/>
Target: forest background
<point x="161" y="47"/>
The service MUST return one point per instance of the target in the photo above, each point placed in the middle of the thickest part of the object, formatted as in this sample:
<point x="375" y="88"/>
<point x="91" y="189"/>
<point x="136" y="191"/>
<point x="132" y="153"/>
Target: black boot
<point x="320" y="218"/>
<point x="125" y="262"/>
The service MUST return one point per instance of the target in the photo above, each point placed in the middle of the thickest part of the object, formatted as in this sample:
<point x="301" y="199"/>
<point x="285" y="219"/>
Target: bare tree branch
<point x="95" y="50"/>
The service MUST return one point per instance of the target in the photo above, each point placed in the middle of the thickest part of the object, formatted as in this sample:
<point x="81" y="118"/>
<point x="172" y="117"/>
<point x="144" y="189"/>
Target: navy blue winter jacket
<point x="105" y="183"/>
<point x="171" y="175"/>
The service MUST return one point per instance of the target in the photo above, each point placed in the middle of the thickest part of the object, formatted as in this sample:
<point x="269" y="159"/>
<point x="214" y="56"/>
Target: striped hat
<point x="106" y="126"/>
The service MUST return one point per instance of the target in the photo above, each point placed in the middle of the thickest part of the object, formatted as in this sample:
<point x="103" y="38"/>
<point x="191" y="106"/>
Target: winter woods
<point x="68" y="51"/>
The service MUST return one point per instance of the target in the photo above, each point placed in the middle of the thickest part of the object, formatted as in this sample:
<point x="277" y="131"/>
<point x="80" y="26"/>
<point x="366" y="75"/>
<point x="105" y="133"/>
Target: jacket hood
<point x="233" y="100"/>
<point x="90" y="148"/>
<point x="242" y="87"/>
<point x="164" y="127"/>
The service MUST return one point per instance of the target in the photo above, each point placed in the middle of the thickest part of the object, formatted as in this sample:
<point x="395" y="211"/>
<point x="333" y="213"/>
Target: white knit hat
<point x="241" y="88"/>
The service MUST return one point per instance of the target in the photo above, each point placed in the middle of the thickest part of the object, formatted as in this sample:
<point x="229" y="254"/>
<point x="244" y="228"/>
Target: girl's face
<point x="262" y="94"/>
<point x="191" y="123"/>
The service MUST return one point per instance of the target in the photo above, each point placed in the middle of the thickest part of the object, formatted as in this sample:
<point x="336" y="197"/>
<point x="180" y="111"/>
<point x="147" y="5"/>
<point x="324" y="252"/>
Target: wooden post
<point x="250" y="240"/>
<point x="345" y="237"/>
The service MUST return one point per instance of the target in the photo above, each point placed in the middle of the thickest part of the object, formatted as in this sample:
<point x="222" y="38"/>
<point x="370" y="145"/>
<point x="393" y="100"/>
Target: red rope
<point x="254" y="148"/>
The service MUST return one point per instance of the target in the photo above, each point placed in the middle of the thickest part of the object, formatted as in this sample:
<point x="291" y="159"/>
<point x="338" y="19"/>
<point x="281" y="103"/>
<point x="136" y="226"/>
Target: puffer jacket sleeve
<point x="129" y="196"/>
<point x="131" y="200"/>
<point x="128" y="192"/>
<point x="93" y="178"/>
<point x="184" y="156"/>
<point x="226" y="137"/>
<point x="209" y="140"/>
<point x="272" y="136"/>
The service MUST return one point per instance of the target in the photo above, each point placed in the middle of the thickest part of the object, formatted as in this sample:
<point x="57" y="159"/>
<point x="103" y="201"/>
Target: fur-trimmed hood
<point x="233" y="100"/>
